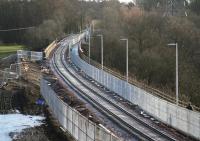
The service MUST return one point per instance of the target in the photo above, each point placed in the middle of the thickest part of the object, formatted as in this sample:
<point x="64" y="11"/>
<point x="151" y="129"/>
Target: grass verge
<point x="6" y="50"/>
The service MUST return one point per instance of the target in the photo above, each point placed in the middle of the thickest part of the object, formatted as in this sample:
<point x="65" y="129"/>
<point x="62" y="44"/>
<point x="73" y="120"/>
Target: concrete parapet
<point x="178" y="117"/>
<point x="81" y="128"/>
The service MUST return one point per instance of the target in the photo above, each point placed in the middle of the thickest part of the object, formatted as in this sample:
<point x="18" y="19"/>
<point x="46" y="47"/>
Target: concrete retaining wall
<point x="180" y="118"/>
<point x="71" y="120"/>
<point x="49" y="50"/>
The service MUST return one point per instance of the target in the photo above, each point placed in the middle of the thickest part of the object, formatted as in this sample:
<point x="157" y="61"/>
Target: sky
<point x="125" y="0"/>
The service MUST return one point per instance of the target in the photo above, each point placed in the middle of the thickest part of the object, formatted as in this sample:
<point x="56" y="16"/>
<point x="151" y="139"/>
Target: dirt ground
<point x="21" y="99"/>
<point x="21" y="95"/>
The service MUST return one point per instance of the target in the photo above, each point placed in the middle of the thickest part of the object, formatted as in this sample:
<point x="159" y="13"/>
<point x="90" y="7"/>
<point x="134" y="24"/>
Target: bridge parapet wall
<point x="81" y="128"/>
<point x="48" y="51"/>
<point x="178" y="117"/>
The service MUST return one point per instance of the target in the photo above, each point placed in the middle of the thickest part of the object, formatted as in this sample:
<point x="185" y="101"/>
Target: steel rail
<point x="117" y="106"/>
<point x="135" y="82"/>
<point x="89" y="99"/>
<point x="98" y="106"/>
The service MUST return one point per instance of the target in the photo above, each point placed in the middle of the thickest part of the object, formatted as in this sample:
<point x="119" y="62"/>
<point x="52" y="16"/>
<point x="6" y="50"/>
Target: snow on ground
<point x="16" y="123"/>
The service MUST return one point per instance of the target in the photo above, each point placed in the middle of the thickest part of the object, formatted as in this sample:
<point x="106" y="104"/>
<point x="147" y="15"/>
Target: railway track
<point x="115" y="112"/>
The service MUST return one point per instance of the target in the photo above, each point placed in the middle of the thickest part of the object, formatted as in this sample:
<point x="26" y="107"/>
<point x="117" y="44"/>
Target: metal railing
<point x="133" y="81"/>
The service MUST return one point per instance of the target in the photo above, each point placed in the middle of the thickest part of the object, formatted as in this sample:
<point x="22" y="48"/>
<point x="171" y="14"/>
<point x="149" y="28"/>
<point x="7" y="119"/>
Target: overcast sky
<point x="125" y="0"/>
<point x="122" y="0"/>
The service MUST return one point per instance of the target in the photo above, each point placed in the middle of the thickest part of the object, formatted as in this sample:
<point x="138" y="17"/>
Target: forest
<point x="149" y="25"/>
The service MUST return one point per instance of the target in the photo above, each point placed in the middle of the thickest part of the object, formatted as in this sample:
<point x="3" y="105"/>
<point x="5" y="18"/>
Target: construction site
<point x="19" y="93"/>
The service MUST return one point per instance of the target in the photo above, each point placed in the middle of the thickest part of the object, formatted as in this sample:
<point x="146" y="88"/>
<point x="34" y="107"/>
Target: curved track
<point x="114" y="111"/>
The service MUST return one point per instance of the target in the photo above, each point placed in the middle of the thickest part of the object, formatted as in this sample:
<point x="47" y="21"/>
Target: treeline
<point x="51" y="19"/>
<point x="149" y="31"/>
<point x="149" y="26"/>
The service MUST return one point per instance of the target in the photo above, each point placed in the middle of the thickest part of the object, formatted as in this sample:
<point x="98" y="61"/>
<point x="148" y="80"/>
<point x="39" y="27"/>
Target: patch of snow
<point x="16" y="123"/>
